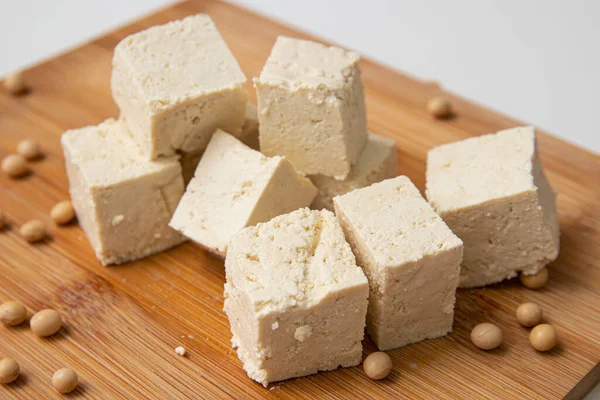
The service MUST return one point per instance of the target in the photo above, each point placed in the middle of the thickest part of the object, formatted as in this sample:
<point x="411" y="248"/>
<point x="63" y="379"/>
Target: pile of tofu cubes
<point x="182" y="162"/>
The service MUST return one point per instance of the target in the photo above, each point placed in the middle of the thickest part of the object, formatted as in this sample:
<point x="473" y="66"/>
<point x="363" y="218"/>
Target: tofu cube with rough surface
<point x="376" y="163"/>
<point x="175" y="84"/>
<point x="295" y="298"/>
<point x="234" y="187"/>
<point x="123" y="202"/>
<point x="411" y="258"/>
<point x="249" y="136"/>
<point x="311" y="107"/>
<point x="492" y="192"/>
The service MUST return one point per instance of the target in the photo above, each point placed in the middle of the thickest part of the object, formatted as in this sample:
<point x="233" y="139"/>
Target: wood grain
<point x="122" y="323"/>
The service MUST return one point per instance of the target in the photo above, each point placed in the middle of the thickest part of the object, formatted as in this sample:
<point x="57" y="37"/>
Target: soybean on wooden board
<point x="123" y="323"/>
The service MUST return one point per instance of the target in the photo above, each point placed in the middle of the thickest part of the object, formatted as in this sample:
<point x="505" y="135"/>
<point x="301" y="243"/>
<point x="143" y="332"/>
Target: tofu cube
<point x="411" y="258"/>
<point x="175" y="84"/>
<point x="123" y="202"/>
<point x="249" y="136"/>
<point x="295" y="298"/>
<point x="376" y="163"/>
<point x="311" y="107"/>
<point x="234" y="187"/>
<point x="492" y="192"/>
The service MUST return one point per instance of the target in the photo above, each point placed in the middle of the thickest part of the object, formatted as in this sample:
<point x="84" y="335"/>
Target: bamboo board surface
<point x="122" y="323"/>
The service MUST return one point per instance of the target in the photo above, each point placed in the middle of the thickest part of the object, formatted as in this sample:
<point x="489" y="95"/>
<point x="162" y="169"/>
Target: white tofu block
<point x="295" y="299"/>
<point x="411" y="258"/>
<point x="175" y="84"/>
<point x="311" y="107"/>
<point x="249" y="136"/>
<point x="234" y="187"/>
<point x="376" y="163"/>
<point x="492" y="192"/>
<point x="123" y="202"/>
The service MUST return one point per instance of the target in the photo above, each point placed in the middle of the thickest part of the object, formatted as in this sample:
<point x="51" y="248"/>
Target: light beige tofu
<point x="295" y="298"/>
<point x="234" y="187"/>
<point x="411" y="258"/>
<point x="123" y="202"/>
<point x="175" y="84"/>
<point x="377" y="162"/>
<point x="492" y="192"/>
<point x="311" y="107"/>
<point x="249" y="136"/>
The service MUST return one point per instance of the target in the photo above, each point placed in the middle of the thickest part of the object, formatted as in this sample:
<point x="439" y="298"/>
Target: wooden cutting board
<point x="122" y="323"/>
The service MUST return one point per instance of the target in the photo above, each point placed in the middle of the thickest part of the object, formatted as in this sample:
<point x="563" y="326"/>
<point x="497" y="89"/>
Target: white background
<point x="538" y="61"/>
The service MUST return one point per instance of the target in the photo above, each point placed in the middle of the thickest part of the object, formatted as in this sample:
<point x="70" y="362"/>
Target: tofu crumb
<point x="117" y="219"/>
<point x="302" y="333"/>
<point x="180" y="350"/>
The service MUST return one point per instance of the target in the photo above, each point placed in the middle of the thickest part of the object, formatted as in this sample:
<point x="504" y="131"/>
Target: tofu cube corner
<point x="123" y="202"/>
<point x="234" y="187"/>
<point x="311" y="107"/>
<point x="411" y="258"/>
<point x="295" y="298"/>
<point x="492" y="192"/>
<point x="175" y="84"/>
